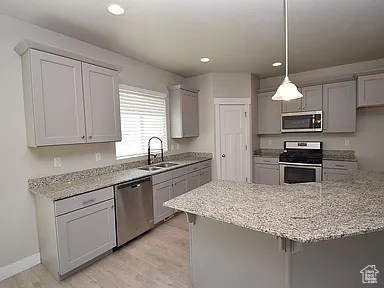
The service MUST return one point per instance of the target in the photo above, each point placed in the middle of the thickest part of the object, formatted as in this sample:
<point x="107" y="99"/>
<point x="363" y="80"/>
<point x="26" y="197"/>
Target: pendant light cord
<point x="286" y="38"/>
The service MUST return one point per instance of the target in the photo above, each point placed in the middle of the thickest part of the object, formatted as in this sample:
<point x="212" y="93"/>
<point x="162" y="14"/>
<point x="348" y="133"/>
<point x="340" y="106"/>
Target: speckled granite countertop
<point x="332" y="155"/>
<point x="70" y="185"/>
<point x="301" y="212"/>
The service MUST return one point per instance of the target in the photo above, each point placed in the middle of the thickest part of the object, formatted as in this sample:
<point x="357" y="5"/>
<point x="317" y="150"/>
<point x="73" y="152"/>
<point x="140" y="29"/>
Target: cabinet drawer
<point x="199" y="166"/>
<point x="266" y="160"/>
<point x="83" y="200"/>
<point x="345" y="165"/>
<point x="180" y="172"/>
<point x="162" y="177"/>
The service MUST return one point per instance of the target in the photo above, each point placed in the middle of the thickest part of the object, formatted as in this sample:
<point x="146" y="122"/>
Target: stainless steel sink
<point x="165" y="165"/>
<point x="150" y="168"/>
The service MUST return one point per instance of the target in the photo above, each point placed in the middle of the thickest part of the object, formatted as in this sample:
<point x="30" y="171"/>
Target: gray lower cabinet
<point x="266" y="174"/>
<point x="370" y="90"/>
<point x="180" y="185"/>
<point x="268" y="114"/>
<point x="75" y="231"/>
<point x="174" y="183"/>
<point x="85" y="234"/>
<point x="162" y="192"/>
<point x="337" y="170"/>
<point x="266" y="170"/>
<point x="339" y="107"/>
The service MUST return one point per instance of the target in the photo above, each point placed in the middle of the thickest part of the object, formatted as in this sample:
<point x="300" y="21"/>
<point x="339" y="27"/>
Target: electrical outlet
<point x="98" y="156"/>
<point x="270" y="142"/>
<point x="346" y="143"/>
<point x="172" y="147"/>
<point x="177" y="146"/>
<point x="57" y="162"/>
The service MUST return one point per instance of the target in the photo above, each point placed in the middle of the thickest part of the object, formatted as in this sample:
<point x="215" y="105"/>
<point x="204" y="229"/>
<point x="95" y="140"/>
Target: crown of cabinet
<point x="184" y="111"/>
<point x="68" y="101"/>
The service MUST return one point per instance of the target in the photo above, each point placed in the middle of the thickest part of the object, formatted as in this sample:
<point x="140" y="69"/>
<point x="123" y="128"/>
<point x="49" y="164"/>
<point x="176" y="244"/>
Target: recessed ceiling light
<point x="205" y="59"/>
<point x="116" y="9"/>
<point x="276" y="64"/>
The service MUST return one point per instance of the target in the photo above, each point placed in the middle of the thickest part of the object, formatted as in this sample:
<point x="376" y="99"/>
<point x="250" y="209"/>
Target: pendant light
<point x="287" y="90"/>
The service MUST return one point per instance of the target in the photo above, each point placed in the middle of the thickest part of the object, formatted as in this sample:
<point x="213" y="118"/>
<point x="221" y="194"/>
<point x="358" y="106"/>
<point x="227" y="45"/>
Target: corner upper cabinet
<point x="339" y="107"/>
<point x="370" y="90"/>
<point x="268" y="114"/>
<point x="67" y="100"/>
<point x="184" y="112"/>
<point x="102" y="105"/>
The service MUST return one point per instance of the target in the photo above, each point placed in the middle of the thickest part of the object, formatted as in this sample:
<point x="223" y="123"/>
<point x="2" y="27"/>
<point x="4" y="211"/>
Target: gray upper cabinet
<point x="68" y="101"/>
<point x="269" y="114"/>
<point x="312" y="100"/>
<point x="339" y="107"/>
<point x="184" y="112"/>
<point x="370" y="90"/>
<point x="102" y="106"/>
<point x="53" y="96"/>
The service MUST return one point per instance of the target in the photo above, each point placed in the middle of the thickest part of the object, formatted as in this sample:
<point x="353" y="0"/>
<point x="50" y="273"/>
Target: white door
<point x="233" y="142"/>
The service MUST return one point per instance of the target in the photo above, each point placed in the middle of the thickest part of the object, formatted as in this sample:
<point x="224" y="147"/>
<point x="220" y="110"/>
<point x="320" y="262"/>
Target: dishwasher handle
<point x="133" y="184"/>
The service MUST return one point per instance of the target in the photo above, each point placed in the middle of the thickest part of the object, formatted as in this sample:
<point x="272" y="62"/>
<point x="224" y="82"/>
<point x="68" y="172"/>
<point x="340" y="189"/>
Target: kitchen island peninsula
<point x="292" y="236"/>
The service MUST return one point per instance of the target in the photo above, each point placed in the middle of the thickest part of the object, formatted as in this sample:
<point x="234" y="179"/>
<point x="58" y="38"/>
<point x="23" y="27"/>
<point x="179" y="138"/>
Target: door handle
<point x="223" y="155"/>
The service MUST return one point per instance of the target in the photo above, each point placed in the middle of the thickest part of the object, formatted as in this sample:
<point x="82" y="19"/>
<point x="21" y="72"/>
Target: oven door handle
<point x="300" y="164"/>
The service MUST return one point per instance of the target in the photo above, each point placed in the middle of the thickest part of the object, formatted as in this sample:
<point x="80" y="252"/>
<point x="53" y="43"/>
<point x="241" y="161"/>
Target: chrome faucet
<point x="154" y="155"/>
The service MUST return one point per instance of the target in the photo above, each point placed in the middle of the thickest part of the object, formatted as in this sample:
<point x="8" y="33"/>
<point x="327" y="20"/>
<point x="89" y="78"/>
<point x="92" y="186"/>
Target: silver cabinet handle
<point x="223" y="155"/>
<point x="82" y="136"/>
<point x="112" y="206"/>
<point x="90" y="136"/>
<point x="89" y="201"/>
<point x="337" y="165"/>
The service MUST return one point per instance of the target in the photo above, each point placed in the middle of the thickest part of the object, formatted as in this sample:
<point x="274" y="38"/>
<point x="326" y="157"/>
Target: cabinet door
<point x="339" y="107"/>
<point x="180" y="186"/>
<point x="193" y="180"/>
<point x="190" y="114"/>
<point x="102" y="107"/>
<point x="266" y="174"/>
<point x="57" y="99"/>
<point x="85" y="234"/>
<point x="370" y="90"/>
<point x="269" y="114"/>
<point x="312" y="98"/>
<point x="291" y="106"/>
<point x="334" y="174"/>
<point x="162" y="193"/>
<point x="205" y="176"/>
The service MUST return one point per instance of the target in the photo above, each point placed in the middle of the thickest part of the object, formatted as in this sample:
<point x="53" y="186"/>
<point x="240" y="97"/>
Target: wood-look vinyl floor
<point x="159" y="258"/>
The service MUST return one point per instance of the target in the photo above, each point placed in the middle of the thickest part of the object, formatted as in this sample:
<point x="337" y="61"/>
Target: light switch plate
<point x="98" y="156"/>
<point x="57" y="162"/>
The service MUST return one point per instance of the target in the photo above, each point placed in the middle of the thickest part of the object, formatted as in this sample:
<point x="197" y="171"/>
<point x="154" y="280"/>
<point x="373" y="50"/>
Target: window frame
<point x="152" y="93"/>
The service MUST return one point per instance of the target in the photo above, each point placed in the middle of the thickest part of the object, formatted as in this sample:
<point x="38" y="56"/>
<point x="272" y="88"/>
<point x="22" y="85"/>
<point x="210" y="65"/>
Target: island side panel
<point x="337" y="263"/>
<point x="227" y="256"/>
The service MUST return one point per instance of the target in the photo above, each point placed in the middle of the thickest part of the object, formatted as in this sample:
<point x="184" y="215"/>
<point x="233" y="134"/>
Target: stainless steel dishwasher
<point x="134" y="209"/>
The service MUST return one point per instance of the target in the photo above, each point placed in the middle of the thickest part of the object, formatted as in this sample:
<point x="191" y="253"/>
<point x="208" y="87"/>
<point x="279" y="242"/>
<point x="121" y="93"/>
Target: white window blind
<point x="143" y="115"/>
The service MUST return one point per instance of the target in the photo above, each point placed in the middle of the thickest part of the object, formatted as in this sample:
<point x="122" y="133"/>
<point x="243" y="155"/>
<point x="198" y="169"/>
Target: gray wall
<point x="17" y="225"/>
<point x="369" y="138"/>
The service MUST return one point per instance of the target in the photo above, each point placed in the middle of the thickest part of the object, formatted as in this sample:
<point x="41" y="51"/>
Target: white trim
<point x="248" y="129"/>
<point x="19" y="266"/>
<point x="142" y="91"/>
<point x="245" y="101"/>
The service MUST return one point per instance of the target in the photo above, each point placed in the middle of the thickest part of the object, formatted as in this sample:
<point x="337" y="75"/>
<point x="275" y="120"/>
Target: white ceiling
<point x="239" y="35"/>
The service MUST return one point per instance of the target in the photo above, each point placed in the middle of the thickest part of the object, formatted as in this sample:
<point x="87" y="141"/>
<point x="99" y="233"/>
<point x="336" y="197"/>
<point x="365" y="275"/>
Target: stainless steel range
<point x="301" y="162"/>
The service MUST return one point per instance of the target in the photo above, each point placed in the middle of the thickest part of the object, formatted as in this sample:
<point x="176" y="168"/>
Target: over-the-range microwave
<point x="311" y="121"/>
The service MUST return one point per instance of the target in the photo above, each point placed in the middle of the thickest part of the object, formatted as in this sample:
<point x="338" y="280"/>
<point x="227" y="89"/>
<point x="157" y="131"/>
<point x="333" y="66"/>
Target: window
<point x="143" y="115"/>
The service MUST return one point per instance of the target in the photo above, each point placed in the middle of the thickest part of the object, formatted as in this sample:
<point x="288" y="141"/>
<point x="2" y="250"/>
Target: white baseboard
<point x="19" y="266"/>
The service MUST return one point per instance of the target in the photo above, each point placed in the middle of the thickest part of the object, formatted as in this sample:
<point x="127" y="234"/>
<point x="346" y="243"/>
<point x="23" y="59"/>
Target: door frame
<point x="248" y="132"/>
